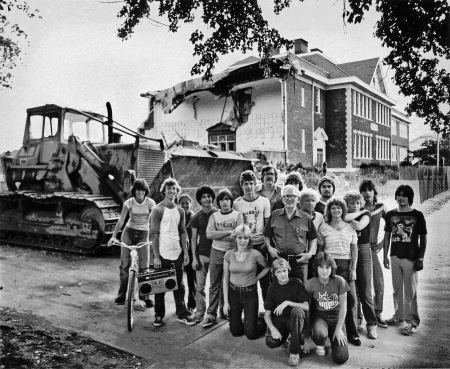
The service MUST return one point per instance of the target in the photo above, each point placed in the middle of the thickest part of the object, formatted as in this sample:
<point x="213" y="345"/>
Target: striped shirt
<point x="337" y="243"/>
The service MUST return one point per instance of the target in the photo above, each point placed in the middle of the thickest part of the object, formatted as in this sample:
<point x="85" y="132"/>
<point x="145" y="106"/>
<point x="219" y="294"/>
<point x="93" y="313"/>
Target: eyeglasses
<point x="289" y="197"/>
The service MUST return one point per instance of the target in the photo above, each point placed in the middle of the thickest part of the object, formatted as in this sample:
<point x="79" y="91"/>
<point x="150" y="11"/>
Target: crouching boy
<point x="285" y="304"/>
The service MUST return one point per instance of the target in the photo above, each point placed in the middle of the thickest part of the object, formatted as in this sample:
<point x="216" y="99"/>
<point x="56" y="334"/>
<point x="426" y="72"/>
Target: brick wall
<point x="336" y="128"/>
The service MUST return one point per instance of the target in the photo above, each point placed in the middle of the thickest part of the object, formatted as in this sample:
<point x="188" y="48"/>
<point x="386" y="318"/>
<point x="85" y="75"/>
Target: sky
<point x="76" y="59"/>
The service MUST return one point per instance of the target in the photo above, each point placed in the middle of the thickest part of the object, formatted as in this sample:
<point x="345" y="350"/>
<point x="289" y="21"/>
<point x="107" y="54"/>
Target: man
<point x="377" y="212"/>
<point x="256" y="211"/>
<point x="292" y="233"/>
<point x="326" y="189"/>
<point x="406" y="229"/>
<point x="269" y="177"/>
<point x="295" y="179"/>
<point x="168" y="231"/>
<point x="286" y="304"/>
<point x="201" y="246"/>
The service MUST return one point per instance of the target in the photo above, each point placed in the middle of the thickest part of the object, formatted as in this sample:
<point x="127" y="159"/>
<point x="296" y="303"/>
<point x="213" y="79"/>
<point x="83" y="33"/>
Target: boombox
<point x="157" y="281"/>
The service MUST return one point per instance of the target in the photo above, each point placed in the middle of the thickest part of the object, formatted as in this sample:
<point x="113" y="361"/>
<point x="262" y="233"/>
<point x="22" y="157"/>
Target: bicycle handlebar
<point x="132" y="247"/>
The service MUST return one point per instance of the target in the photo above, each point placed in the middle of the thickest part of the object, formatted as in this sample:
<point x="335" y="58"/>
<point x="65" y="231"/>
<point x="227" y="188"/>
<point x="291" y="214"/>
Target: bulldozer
<point x="67" y="183"/>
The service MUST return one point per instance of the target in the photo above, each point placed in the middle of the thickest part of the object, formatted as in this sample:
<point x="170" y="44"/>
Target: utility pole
<point x="437" y="149"/>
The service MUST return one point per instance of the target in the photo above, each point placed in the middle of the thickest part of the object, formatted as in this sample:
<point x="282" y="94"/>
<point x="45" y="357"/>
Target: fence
<point x="432" y="180"/>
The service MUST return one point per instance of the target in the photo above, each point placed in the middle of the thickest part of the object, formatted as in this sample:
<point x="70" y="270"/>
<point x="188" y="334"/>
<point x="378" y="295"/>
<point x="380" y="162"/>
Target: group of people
<point x="313" y="254"/>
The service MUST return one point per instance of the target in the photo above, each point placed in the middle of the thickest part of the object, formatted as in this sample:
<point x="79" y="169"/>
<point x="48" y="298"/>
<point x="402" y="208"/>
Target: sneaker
<point x="187" y="320"/>
<point x="409" y="330"/>
<point x="294" y="359"/>
<point x="381" y="322"/>
<point x="210" y="321"/>
<point x="372" y="331"/>
<point x="149" y="303"/>
<point x="393" y="321"/>
<point x="198" y="318"/>
<point x="320" y="350"/>
<point x="158" y="322"/>
<point x="120" y="300"/>
<point x="355" y="341"/>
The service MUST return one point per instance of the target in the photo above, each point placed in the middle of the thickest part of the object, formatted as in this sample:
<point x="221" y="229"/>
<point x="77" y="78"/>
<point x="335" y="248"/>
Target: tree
<point x="416" y="32"/>
<point x="11" y="39"/>
<point x="428" y="152"/>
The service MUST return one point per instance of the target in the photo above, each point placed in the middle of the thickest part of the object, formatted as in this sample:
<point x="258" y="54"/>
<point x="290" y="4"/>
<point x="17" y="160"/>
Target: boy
<point x="407" y="230"/>
<point x="286" y="303"/>
<point x="326" y="189"/>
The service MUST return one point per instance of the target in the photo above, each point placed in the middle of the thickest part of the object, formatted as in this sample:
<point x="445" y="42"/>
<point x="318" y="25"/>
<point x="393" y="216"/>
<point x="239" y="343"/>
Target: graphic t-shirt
<point x="277" y="293"/>
<point x="405" y="228"/>
<point x="254" y="213"/>
<point x="223" y="222"/>
<point x="325" y="297"/>
<point x="200" y="222"/>
<point x="139" y="213"/>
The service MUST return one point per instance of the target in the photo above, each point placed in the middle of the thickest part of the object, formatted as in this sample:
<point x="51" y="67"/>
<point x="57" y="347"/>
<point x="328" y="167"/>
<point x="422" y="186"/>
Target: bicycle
<point x="132" y="290"/>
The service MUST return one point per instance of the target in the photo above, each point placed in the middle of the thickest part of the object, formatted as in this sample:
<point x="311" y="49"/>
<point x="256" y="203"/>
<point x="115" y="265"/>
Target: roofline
<point x="400" y="115"/>
<point x="324" y="56"/>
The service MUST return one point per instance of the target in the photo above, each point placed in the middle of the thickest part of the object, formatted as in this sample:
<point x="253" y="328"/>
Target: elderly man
<point x="290" y="232"/>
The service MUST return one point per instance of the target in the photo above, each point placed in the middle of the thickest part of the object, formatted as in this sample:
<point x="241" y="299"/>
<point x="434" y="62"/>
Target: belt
<point x="291" y="258"/>
<point x="243" y="289"/>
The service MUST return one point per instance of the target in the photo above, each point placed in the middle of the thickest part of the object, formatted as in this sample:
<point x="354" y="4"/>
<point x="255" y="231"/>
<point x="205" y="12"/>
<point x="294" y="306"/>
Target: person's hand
<point x="279" y="309"/>
<point x="378" y="247"/>
<point x="157" y="262"/>
<point x="386" y="262"/>
<point x="275" y="333"/>
<point x="185" y="259"/>
<point x="418" y="265"/>
<point x="195" y="263"/>
<point x="226" y="308"/>
<point x="304" y="257"/>
<point x="273" y="252"/>
<point x="111" y="241"/>
<point x="353" y="275"/>
<point x="340" y="337"/>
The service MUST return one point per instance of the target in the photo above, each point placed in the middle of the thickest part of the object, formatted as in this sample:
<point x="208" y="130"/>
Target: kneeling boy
<point x="286" y="303"/>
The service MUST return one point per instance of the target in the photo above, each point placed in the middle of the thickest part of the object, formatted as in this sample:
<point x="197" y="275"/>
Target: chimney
<point x="316" y="49"/>
<point x="301" y="46"/>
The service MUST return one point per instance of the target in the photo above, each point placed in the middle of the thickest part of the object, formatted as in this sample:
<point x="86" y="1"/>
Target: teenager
<point x="326" y="188"/>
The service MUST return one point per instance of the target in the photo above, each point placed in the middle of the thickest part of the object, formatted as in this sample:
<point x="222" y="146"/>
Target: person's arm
<point x="272" y="250"/>
<point x="119" y="225"/>
<point x="354" y="256"/>
<point x="155" y="222"/>
<point x="155" y="245"/>
<point x="183" y="239"/>
<point x="262" y="273"/>
<point x="212" y="233"/>
<point x="423" y="245"/>
<point x="275" y="333"/>
<point x="352" y="216"/>
<point x="279" y="309"/>
<point x="358" y="225"/>
<point x="338" y="332"/>
<point x="386" y="245"/>
<point x="226" y="285"/>
<point x="194" y="248"/>
<point x="312" y="243"/>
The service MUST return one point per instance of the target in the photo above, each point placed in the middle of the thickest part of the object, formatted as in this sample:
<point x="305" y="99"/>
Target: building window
<point x="383" y="148"/>
<point x="317" y="100"/>
<point x="394" y="128"/>
<point x="382" y="114"/>
<point x="302" y="95"/>
<point x="403" y="128"/>
<point x="394" y="153"/>
<point x="402" y="153"/>
<point x="303" y="141"/>
<point x="362" y="105"/>
<point x="225" y="142"/>
<point x="362" y="145"/>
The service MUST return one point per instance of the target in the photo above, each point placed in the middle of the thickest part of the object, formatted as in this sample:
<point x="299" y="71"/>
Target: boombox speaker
<point x="157" y="281"/>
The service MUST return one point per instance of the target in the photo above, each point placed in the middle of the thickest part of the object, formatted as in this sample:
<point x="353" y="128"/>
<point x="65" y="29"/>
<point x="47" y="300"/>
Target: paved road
<point x="76" y="293"/>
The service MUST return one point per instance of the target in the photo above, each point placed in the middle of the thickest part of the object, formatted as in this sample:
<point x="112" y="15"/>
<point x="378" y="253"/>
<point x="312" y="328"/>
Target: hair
<point x="204" y="190"/>
<point x="278" y="264"/>
<point x="406" y="191"/>
<point x="266" y="169"/>
<point x="185" y="196"/>
<point x="353" y="195"/>
<point x="367" y="184"/>
<point x="140" y="185"/>
<point x="246" y="176"/>
<point x="326" y="179"/>
<point x="295" y="178"/>
<point x="245" y="230"/>
<point x="335" y="200"/>
<point x="224" y="193"/>
<point x="287" y="187"/>
<point x="324" y="258"/>
<point x="309" y="192"/>
<point x="169" y="182"/>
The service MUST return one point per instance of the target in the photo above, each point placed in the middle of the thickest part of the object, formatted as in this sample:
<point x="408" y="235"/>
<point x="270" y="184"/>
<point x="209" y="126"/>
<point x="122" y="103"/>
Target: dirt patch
<point x="29" y="342"/>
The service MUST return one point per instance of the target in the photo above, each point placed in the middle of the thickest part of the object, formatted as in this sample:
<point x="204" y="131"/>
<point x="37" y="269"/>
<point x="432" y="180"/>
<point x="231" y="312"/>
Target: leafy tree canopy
<point x="416" y="32"/>
<point x="428" y="152"/>
<point x="11" y="38"/>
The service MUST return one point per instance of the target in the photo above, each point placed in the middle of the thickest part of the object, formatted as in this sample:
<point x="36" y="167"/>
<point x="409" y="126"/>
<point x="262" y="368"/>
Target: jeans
<point x="323" y="326"/>
<point x="244" y="298"/>
<point x="180" y="307"/>
<point x="264" y="282"/>
<point x="364" y="282"/>
<point x="404" y="283"/>
<point x="378" y="283"/>
<point x="285" y="325"/>
<point x="343" y="270"/>
<point x="298" y="270"/>
<point x="201" y="273"/>
<point x="131" y="237"/>
<point x="191" y="282"/>
<point x="215" y="281"/>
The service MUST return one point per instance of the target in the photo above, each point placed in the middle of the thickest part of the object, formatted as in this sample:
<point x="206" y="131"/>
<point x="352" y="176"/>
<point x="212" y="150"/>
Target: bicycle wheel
<point x="130" y="301"/>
